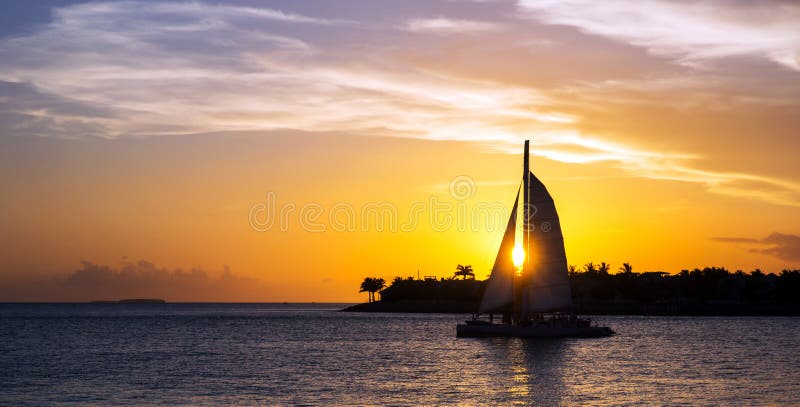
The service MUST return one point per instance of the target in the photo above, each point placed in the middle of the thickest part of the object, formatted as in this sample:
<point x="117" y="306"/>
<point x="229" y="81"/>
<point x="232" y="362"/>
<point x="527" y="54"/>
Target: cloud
<point x="784" y="246"/>
<point x="448" y="26"/>
<point x="198" y="12"/>
<point x="735" y="240"/>
<point x="690" y="33"/>
<point x="572" y="147"/>
<point x="121" y="69"/>
<point x="242" y="75"/>
<point x="140" y="279"/>
<point x="781" y="246"/>
<point x="24" y="111"/>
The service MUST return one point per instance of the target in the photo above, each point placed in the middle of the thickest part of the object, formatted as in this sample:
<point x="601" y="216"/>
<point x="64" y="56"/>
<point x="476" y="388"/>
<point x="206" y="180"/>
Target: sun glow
<point x="518" y="255"/>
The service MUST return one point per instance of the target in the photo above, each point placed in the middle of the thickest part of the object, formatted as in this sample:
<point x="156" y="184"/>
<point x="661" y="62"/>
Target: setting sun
<point x="518" y="255"/>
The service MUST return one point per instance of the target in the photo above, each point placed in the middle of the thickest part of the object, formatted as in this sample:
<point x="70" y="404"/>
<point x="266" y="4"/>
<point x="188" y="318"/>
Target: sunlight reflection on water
<point x="210" y="354"/>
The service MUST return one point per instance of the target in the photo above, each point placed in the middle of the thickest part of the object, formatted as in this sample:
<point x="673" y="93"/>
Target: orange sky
<point x="134" y="133"/>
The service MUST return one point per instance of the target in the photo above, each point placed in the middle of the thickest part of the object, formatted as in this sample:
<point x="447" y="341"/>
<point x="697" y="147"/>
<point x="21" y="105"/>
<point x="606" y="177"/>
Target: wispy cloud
<point x="148" y="70"/>
<point x="26" y="112"/>
<point x="448" y="25"/>
<point x="735" y="239"/>
<point x="244" y="76"/>
<point x="780" y="245"/>
<point x="204" y="13"/>
<point x="575" y="148"/>
<point x="784" y="246"/>
<point x="691" y="33"/>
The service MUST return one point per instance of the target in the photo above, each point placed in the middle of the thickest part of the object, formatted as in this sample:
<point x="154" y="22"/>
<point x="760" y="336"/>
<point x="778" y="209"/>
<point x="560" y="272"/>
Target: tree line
<point x="709" y="284"/>
<point x="406" y="286"/>
<point x="595" y="283"/>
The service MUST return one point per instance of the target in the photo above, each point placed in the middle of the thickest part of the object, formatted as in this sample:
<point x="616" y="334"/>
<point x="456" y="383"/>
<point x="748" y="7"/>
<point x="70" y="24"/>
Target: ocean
<point x="310" y="354"/>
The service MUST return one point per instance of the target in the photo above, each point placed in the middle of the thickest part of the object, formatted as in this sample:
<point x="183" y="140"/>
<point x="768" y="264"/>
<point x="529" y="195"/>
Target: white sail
<point x="545" y="280"/>
<point x="543" y="285"/>
<point x="498" y="296"/>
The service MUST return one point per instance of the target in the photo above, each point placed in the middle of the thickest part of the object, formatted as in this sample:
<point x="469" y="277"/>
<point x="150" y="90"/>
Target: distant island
<point x="596" y="291"/>
<point x="132" y="301"/>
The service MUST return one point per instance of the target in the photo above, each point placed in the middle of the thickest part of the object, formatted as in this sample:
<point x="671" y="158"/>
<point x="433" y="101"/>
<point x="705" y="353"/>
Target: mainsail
<point x="498" y="296"/>
<point x="545" y="285"/>
<point x="542" y="287"/>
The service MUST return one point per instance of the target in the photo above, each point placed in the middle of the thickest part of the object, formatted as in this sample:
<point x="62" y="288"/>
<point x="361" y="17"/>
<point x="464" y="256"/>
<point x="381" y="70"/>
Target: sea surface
<point x="288" y="354"/>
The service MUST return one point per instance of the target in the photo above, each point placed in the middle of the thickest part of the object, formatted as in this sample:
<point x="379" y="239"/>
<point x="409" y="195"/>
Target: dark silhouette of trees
<point x="603" y="268"/>
<point x="626" y="268"/>
<point x="372" y="285"/>
<point x="590" y="269"/>
<point x="443" y="290"/>
<point x="464" y="272"/>
<point x="572" y="270"/>
<point x="710" y="290"/>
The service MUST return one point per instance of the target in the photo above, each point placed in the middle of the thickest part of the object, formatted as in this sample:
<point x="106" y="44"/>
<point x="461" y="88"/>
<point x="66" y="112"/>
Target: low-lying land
<point x="708" y="291"/>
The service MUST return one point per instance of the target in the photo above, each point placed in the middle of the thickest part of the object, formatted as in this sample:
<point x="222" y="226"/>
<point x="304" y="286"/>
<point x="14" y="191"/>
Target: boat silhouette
<point x="536" y="300"/>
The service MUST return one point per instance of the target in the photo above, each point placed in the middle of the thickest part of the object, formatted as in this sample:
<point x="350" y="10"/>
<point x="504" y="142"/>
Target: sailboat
<point x="536" y="300"/>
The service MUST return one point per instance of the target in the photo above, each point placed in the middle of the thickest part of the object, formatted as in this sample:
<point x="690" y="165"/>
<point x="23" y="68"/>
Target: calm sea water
<point x="249" y="354"/>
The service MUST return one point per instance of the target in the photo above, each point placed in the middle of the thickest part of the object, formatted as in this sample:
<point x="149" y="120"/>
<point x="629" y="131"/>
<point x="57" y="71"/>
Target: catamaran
<point x="534" y="301"/>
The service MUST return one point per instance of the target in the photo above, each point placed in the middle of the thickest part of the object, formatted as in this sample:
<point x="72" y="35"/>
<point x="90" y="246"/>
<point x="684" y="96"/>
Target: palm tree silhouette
<point x="590" y="269"/>
<point x="465" y="271"/>
<point x="603" y="268"/>
<point x="372" y="285"/>
<point x="572" y="270"/>
<point x="626" y="268"/>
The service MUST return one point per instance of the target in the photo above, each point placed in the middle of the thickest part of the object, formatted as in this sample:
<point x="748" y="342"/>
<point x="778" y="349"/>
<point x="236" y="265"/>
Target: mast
<point x="526" y="205"/>
<point x="519" y="288"/>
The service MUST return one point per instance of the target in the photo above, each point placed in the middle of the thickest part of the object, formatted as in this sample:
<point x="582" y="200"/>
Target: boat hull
<point x="498" y="330"/>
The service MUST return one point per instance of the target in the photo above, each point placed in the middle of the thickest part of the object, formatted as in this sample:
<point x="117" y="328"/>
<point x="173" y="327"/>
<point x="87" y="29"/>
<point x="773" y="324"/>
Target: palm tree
<point x="464" y="272"/>
<point x="603" y="268"/>
<point x="372" y="285"/>
<point x="590" y="269"/>
<point x="572" y="270"/>
<point x="626" y="268"/>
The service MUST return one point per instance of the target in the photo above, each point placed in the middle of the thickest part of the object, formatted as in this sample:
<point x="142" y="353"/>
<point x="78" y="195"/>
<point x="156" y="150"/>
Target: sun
<point x="518" y="255"/>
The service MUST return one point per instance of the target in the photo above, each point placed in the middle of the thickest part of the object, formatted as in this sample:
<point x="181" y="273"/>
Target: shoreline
<point x="666" y="309"/>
